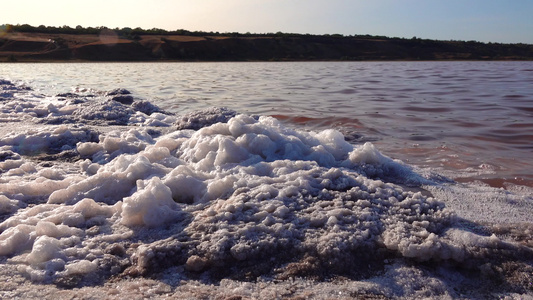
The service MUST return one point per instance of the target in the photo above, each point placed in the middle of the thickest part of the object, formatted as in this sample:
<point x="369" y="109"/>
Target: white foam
<point x="151" y="205"/>
<point x="44" y="249"/>
<point x="7" y="205"/>
<point x="16" y="238"/>
<point x="80" y="267"/>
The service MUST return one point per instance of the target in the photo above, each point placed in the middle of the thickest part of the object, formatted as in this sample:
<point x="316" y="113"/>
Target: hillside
<point x="109" y="46"/>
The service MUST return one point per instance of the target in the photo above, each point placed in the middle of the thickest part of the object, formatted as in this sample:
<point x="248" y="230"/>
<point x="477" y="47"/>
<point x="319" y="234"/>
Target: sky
<point x="503" y="21"/>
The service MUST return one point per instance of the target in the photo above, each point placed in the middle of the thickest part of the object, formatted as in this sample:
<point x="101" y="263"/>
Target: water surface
<point x="468" y="120"/>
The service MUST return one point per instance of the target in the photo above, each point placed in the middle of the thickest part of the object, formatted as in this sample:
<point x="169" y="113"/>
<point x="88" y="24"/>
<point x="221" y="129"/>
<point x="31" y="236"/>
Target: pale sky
<point x="506" y="21"/>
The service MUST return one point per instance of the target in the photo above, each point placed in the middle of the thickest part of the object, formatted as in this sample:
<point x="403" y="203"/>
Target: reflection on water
<point x="471" y="120"/>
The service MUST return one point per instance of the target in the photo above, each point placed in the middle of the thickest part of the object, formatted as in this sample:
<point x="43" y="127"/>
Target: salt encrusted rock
<point x="119" y="91"/>
<point x="111" y="111"/>
<point x="146" y="107"/>
<point x="124" y="99"/>
<point x="7" y="88"/>
<point x="195" y="263"/>
<point x="8" y="155"/>
<point x="6" y="85"/>
<point x="198" y="119"/>
<point x="112" y="108"/>
<point x="67" y="95"/>
<point x="34" y="142"/>
<point x="121" y="95"/>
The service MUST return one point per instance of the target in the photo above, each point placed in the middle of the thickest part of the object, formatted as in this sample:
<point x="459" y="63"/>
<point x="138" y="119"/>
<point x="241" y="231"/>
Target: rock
<point x="195" y="263"/>
<point x="124" y="99"/>
<point x="198" y="119"/>
<point x="119" y="91"/>
<point x="146" y="107"/>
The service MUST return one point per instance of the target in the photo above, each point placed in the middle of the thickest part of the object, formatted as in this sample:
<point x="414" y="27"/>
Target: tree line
<point x="135" y="33"/>
<point x="130" y="32"/>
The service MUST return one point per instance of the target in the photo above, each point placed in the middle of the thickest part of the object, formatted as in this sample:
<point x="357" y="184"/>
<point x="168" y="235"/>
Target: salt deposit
<point x="169" y="205"/>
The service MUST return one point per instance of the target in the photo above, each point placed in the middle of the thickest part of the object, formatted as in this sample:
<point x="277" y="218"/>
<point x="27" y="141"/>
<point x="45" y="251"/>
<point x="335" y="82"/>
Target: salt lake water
<point x="266" y="180"/>
<point x="469" y="120"/>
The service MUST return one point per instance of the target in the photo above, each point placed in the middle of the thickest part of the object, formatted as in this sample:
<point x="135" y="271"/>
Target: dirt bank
<point x="16" y="46"/>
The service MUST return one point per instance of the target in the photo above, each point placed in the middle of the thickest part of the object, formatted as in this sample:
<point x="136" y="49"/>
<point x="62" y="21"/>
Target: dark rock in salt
<point x="68" y="282"/>
<point x="7" y="89"/>
<point x="8" y="85"/>
<point x="199" y="119"/>
<point x="124" y="99"/>
<point x="67" y="95"/>
<point x="76" y="101"/>
<point x="64" y="156"/>
<point x="153" y="133"/>
<point x="147" y="107"/>
<point x="116" y="250"/>
<point x="71" y="140"/>
<point x="110" y="265"/>
<point x="72" y="98"/>
<point x="119" y="91"/>
<point x="8" y="155"/>
<point x="195" y="263"/>
<point x="6" y="96"/>
<point x="351" y="136"/>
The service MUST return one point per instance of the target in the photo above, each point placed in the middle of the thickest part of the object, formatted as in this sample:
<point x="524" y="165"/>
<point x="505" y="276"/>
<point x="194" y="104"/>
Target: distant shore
<point x="109" y="47"/>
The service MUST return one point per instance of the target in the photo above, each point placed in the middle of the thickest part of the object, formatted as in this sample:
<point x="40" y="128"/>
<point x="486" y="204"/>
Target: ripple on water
<point x="459" y="99"/>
